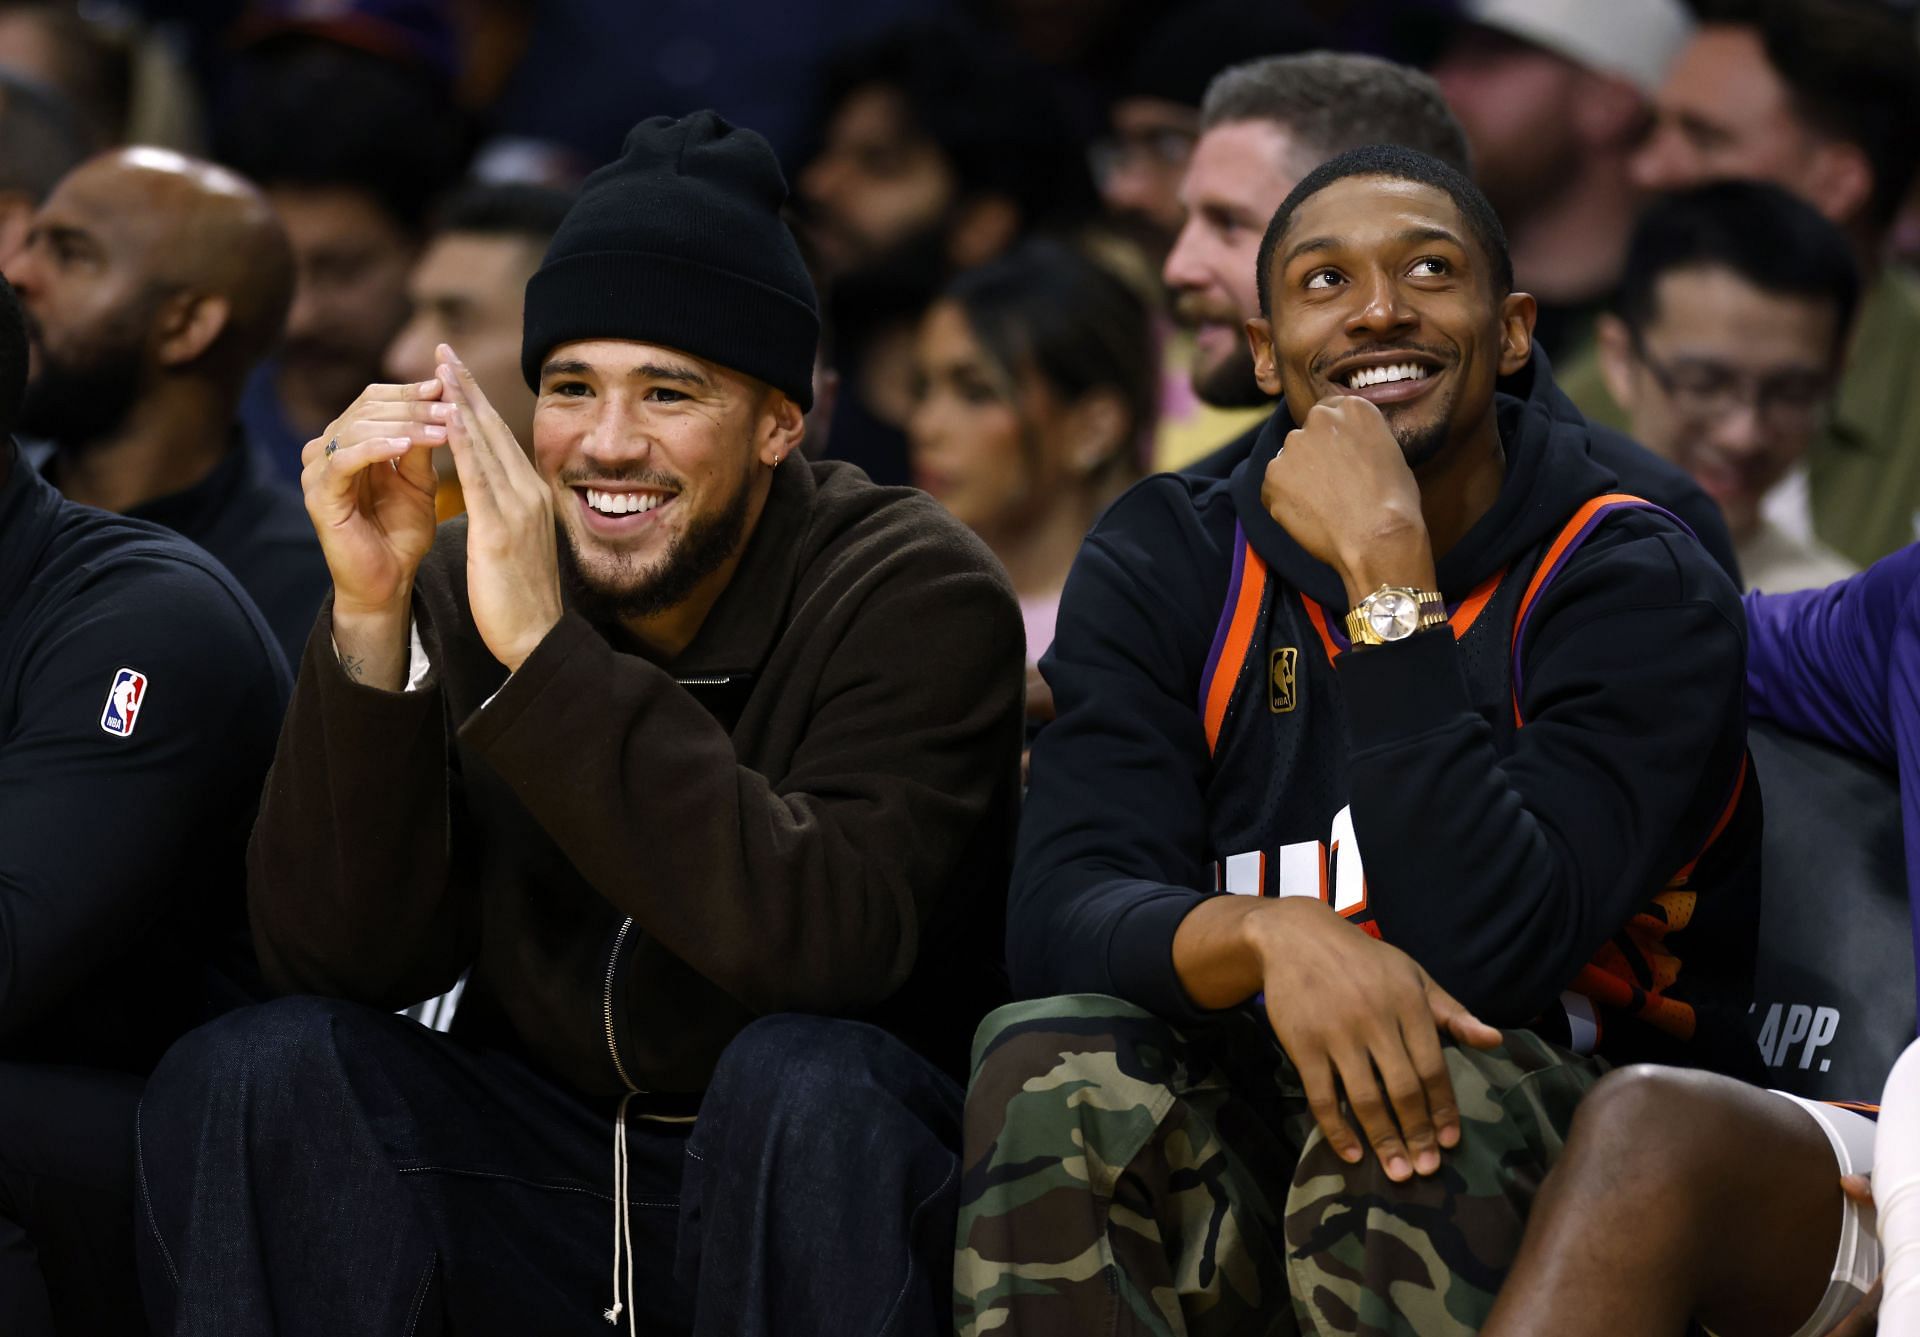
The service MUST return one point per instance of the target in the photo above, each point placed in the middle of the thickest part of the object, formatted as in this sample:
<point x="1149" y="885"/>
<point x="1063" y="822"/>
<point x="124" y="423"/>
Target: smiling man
<point x="670" y="733"/>
<point x="1724" y="345"/>
<point x="1422" y="622"/>
<point x="1266" y="124"/>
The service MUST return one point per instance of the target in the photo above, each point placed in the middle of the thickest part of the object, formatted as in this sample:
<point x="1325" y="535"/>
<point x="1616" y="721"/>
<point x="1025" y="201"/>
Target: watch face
<point x="1392" y="615"/>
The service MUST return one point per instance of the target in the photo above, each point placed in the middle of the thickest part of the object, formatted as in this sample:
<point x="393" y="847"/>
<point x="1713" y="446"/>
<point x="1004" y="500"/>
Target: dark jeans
<point x="66" y="1202"/>
<point x="319" y="1167"/>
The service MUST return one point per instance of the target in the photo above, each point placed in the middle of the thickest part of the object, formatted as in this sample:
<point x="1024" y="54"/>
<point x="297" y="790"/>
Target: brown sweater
<point x="811" y="809"/>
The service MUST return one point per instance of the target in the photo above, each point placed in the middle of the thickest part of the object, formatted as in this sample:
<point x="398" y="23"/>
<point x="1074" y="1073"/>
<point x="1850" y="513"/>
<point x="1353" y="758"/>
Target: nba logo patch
<point x="123" y="702"/>
<point x="1281" y="696"/>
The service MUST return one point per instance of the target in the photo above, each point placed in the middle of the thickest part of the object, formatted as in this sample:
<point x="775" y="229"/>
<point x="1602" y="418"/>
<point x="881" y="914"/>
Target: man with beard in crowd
<point x="742" y="738"/>
<point x="352" y="151"/>
<point x="939" y="153"/>
<point x="468" y="289"/>
<point x="1554" y="96"/>
<point x="1818" y="96"/>
<point x="1264" y="126"/>
<point x="139" y="698"/>
<point x="152" y="282"/>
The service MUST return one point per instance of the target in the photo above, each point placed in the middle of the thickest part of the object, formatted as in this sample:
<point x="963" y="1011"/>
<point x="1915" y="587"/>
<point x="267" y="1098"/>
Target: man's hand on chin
<point x="1341" y="487"/>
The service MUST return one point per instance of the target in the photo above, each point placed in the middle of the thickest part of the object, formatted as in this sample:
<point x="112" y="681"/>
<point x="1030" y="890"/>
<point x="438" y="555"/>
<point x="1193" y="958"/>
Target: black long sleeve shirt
<point x="139" y="696"/>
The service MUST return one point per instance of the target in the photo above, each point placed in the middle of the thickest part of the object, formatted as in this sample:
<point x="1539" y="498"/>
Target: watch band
<point x="1433" y="609"/>
<point x="1433" y="613"/>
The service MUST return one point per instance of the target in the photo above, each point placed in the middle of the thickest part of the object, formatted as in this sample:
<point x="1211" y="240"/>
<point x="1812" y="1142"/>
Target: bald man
<point x="153" y="282"/>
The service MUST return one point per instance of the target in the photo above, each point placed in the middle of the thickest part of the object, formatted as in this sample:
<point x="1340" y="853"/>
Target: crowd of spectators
<point x="320" y="416"/>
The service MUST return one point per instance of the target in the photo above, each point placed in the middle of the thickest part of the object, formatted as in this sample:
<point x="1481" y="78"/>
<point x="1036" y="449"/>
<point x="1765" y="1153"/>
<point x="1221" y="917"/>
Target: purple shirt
<point x="1842" y="664"/>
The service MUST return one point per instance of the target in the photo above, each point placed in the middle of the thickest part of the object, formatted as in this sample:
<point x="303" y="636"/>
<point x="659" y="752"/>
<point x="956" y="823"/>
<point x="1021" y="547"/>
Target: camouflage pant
<point x="1126" y="1177"/>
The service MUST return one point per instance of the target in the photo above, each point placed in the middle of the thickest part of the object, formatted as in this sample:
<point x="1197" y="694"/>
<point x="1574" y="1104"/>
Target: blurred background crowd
<point x="1032" y="224"/>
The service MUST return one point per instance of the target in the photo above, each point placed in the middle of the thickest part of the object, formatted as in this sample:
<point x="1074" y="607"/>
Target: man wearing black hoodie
<point x="696" y="762"/>
<point x="1431" y="627"/>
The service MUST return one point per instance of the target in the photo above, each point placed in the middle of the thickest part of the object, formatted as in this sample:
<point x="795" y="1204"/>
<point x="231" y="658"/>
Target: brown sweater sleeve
<point x="347" y="872"/>
<point x="809" y="892"/>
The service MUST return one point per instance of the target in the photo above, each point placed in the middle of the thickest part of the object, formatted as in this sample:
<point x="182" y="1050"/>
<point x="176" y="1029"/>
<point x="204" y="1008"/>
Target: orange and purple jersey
<point x="1551" y="795"/>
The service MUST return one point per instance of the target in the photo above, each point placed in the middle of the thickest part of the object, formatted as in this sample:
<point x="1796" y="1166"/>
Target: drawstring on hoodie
<point x="622" y="1223"/>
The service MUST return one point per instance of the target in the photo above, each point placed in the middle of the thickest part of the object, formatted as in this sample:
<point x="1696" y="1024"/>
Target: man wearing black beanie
<point x="688" y="769"/>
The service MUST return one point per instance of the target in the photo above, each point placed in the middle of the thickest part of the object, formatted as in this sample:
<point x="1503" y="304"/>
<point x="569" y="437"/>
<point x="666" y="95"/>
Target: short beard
<point x="709" y="543"/>
<point x="1420" y="445"/>
<point x="76" y="401"/>
<point x="1232" y="384"/>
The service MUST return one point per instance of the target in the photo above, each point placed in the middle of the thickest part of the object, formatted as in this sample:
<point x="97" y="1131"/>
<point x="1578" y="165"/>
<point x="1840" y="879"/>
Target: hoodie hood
<point x="1550" y="475"/>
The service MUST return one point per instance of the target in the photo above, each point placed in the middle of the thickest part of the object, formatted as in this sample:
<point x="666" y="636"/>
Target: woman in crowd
<point x="1033" y="401"/>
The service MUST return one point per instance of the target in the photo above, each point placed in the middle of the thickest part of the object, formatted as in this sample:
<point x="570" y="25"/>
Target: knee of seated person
<point x="1651" y="1112"/>
<point x="798" y="1056"/>
<point x="822" y="1083"/>
<point x="1034" y="1059"/>
<point x="268" y="1046"/>
<point x="1040" y="1033"/>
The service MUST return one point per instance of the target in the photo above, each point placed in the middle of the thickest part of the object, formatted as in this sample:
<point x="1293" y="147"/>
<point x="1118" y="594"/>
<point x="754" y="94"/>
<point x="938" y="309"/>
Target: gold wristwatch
<point x="1393" y="613"/>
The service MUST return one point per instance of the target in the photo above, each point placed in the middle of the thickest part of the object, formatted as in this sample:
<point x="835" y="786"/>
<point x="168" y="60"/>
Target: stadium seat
<point x="1834" y="989"/>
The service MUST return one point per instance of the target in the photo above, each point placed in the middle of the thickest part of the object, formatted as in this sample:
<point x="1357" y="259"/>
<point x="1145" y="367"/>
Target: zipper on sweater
<point x="622" y="1212"/>
<point x="606" y="1001"/>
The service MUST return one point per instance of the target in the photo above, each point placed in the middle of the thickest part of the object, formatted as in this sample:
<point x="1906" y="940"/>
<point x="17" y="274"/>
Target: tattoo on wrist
<point x="356" y="668"/>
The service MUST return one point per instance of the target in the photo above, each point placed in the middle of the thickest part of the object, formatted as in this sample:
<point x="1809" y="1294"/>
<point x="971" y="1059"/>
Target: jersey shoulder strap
<point x="1233" y="637"/>
<point x="1565" y="544"/>
<point x="1574" y="533"/>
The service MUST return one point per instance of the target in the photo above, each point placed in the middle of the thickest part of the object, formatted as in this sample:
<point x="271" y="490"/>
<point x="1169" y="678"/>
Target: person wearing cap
<point x="1554" y="96"/>
<point x="1818" y="96"/>
<point x="695" y="761"/>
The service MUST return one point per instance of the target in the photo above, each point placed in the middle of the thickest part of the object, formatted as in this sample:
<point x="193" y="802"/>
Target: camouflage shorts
<point x="1126" y="1177"/>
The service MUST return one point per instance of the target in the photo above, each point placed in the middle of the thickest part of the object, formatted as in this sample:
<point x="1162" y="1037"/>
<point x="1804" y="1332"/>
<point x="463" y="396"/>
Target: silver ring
<point x="333" y="445"/>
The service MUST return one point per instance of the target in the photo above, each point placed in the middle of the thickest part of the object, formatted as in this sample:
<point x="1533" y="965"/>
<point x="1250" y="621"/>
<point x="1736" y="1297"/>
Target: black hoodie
<point x="1515" y="862"/>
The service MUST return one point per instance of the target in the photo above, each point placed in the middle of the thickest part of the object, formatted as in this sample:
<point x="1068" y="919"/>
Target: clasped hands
<point x="376" y="524"/>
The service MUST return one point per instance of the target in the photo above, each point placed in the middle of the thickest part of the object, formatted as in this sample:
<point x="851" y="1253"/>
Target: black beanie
<point x="679" y="242"/>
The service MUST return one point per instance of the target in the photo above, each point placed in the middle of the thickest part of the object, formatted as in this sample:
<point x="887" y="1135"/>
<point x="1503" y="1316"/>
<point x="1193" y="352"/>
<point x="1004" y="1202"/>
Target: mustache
<point x="638" y="476"/>
<point x="1320" y="364"/>
<point x="1196" y="308"/>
